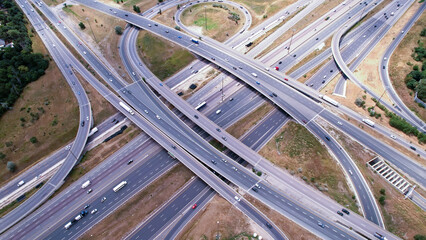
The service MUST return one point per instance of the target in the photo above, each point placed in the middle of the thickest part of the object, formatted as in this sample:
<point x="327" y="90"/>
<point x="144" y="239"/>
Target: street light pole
<point x="291" y="40"/>
<point x="87" y="19"/>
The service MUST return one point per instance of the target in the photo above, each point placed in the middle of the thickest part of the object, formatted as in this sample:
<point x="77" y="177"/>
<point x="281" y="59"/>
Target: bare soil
<point x="166" y="17"/>
<point x="288" y="227"/>
<point x="120" y="222"/>
<point x="219" y="26"/>
<point x="298" y="151"/>
<point x="42" y="113"/>
<point x="401" y="217"/>
<point x="243" y="125"/>
<point x="398" y="67"/>
<point x="218" y="218"/>
<point x="260" y="8"/>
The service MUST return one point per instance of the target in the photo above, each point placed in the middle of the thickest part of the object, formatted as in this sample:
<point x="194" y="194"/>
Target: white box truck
<point x="85" y="184"/>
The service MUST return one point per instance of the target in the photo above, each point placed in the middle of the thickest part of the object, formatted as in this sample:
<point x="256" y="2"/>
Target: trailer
<point x="85" y="184"/>
<point x="329" y="100"/>
<point x="194" y="40"/>
<point x="368" y="122"/>
<point x="127" y="108"/>
<point x="119" y="186"/>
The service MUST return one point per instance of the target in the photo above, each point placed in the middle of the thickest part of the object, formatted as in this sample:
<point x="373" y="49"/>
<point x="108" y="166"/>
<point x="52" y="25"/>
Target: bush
<point x="359" y="102"/>
<point x="118" y="30"/>
<point x="11" y="166"/>
<point x="383" y="191"/>
<point x="382" y="200"/>
<point x="33" y="140"/>
<point x="420" y="237"/>
<point x="82" y="26"/>
<point x="136" y="9"/>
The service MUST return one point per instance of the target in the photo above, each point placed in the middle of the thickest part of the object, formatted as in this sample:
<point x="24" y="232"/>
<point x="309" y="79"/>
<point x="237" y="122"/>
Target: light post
<point x="87" y="19"/>
<point x="291" y="40"/>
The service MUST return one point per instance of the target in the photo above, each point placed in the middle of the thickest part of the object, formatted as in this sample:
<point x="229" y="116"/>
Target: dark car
<point x="268" y="225"/>
<point x="345" y="211"/>
<point x="196" y="116"/>
<point x="326" y="137"/>
<point x="82" y="123"/>
<point x="413" y="148"/>
<point x="214" y="162"/>
<point x="254" y="189"/>
<point x="129" y="162"/>
<point x="340" y="213"/>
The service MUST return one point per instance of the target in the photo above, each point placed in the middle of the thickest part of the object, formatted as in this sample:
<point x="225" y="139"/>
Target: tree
<point x="118" y="30"/>
<point x="419" y="237"/>
<point x="11" y="166"/>
<point x="382" y="200"/>
<point x="160" y="1"/>
<point x="136" y="9"/>
<point x="82" y="26"/>
<point x="33" y="140"/>
<point x="383" y="191"/>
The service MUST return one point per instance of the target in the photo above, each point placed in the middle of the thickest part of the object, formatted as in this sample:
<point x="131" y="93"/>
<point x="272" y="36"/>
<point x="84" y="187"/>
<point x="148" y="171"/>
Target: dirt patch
<point x="218" y="218"/>
<point x="95" y="156"/>
<point x="42" y="113"/>
<point x="142" y="4"/>
<point x="99" y="33"/>
<point x="317" y="13"/>
<point x="243" y="125"/>
<point x="216" y="19"/>
<point x="290" y="229"/>
<point x="167" y="17"/>
<point x="259" y="8"/>
<point x="398" y="67"/>
<point x="401" y="217"/>
<point x="295" y="149"/>
<point x="162" y="57"/>
<point x="139" y="207"/>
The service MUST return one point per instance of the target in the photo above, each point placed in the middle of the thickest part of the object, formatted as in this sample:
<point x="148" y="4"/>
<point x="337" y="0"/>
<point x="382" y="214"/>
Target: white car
<point x="393" y="137"/>
<point x="22" y="182"/>
<point x="94" y="211"/>
<point x="237" y="198"/>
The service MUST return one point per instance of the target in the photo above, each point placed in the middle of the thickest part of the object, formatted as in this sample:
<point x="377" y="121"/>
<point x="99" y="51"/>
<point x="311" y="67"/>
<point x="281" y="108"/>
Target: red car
<point x="286" y="79"/>
<point x="194" y="206"/>
<point x="277" y="68"/>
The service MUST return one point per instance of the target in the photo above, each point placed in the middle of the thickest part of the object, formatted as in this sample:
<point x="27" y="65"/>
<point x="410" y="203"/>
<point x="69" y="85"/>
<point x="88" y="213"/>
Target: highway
<point x="76" y="149"/>
<point x="164" y="144"/>
<point x="384" y="73"/>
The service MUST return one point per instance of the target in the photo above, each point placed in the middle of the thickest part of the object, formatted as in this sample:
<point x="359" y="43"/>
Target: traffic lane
<point x="171" y="210"/>
<point x="106" y="169"/>
<point x="187" y="216"/>
<point x="135" y="183"/>
<point x="368" y="204"/>
<point x="184" y="74"/>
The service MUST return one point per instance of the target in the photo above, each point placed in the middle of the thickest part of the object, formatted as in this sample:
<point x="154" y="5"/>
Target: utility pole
<point x="291" y="40"/>
<point x="87" y="19"/>
<point x="381" y="96"/>
<point x="205" y="16"/>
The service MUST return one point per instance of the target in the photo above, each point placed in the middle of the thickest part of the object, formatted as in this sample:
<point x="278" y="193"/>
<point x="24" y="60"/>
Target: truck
<point x="218" y="111"/>
<point x="368" y="122"/>
<point x="85" y="184"/>
<point x="379" y="236"/>
<point x="329" y="100"/>
<point x="68" y="225"/>
<point x="119" y="186"/>
<point x="194" y="40"/>
<point x="93" y="131"/>
<point x="254" y="74"/>
<point x="127" y="108"/>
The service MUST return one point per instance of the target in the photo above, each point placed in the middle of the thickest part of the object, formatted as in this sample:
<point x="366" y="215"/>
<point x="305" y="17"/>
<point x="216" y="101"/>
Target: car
<point x="274" y="94"/>
<point x="393" y="137"/>
<point x="268" y="225"/>
<point x="214" y="162"/>
<point x="325" y="76"/>
<point x="126" y="15"/>
<point x="277" y="68"/>
<point x="231" y="99"/>
<point x="158" y="117"/>
<point x="213" y="59"/>
<point x="146" y="111"/>
<point x="87" y="206"/>
<point x="413" y="148"/>
<point x="345" y="211"/>
<point x="94" y="211"/>
<point x="340" y="213"/>
<point x="384" y="67"/>
<point x="257" y="82"/>
<point x="218" y="129"/>
<point x="254" y="189"/>
<point x="237" y="198"/>
<point x="173" y="146"/>
<point x="321" y="224"/>
<point x="196" y="116"/>
<point x="161" y="84"/>
<point x="286" y="79"/>
<point x="149" y="25"/>
<point x="89" y="191"/>
<point x="87" y="118"/>
<point x="323" y="81"/>
<point x="240" y="67"/>
<point x="155" y="24"/>
<point x="385" y="58"/>
<point x="82" y="123"/>
<point x="280" y="62"/>
<point x="129" y="162"/>
<point x="224" y="138"/>
<point x="78" y="217"/>
<point x="103" y="199"/>
<point x="326" y="137"/>
<point x="224" y="160"/>
<point x="22" y="182"/>
<point x="167" y="31"/>
<point x="194" y="206"/>
<point x="340" y="123"/>
<point x="304" y="121"/>
<point x="53" y="45"/>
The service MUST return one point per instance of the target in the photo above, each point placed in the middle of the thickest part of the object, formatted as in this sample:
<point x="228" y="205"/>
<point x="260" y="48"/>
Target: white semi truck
<point x="127" y="108"/>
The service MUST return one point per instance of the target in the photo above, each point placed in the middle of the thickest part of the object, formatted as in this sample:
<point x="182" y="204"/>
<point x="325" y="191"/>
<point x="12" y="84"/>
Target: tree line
<point x="18" y="65"/>
<point x="416" y="79"/>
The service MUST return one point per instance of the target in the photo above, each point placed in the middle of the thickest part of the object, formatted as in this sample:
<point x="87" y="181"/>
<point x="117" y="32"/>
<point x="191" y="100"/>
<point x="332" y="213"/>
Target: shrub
<point x="11" y="166"/>
<point x="33" y="140"/>
<point x="383" y="191"/>
<point x="136" y="9"/>
<point x="82" y="26"/>
<point x="382" y="200"/>
<point x="118" y="30"/>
